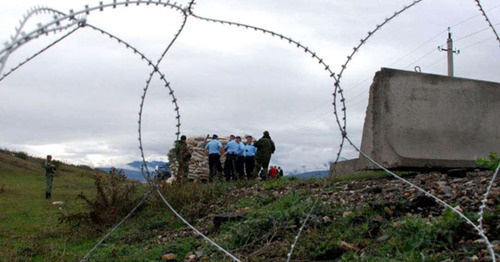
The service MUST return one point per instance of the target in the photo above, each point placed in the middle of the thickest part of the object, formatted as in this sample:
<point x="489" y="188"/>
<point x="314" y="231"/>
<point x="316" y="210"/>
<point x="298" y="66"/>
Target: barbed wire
<point x="487" y="19"/>
<point x="486" y="194"/>
<point x="188" y="11"/>
<point x="194" y="229"/>
<point x="479" y="230"/>
<point x="22" y="23"/>
<point x="39" y="52"/>
<point x="84" y="259"/>
<point x="342" y="100"/>
<point x="171" y="92"/>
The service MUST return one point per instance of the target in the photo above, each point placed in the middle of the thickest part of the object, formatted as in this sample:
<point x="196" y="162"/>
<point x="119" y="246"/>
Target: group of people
<point x="244" y="160"/>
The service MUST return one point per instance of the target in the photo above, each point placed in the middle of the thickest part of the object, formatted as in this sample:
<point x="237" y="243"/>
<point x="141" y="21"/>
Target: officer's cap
<point x="238" y="137"/>
<point x="215" y="136"/>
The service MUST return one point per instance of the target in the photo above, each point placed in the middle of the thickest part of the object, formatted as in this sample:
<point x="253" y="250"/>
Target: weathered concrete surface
<point x="416" y="120"/>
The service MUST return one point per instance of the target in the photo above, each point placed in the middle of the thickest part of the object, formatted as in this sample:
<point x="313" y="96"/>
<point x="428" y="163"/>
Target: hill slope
<point x="29" y="225"/>
<point x="370" y="216"/>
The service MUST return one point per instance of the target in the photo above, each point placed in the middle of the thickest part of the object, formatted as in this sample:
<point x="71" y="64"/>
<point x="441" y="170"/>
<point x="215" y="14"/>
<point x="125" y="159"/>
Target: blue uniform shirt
<point x="214" y="147"/>
<point x="250" y="150"/>
<point x="241" y="149"/>
<point x="232" y="147"/>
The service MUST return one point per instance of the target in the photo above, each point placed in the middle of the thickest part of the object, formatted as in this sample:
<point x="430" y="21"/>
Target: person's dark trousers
<point x="249" y="166"/>
<point x="214" y="165"/>
<point x="240" y="166"/>
<point x="230" y="167"/>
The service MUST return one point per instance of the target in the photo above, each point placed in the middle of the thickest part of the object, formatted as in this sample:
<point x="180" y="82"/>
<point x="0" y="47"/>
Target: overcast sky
<point x="79" y="101"/>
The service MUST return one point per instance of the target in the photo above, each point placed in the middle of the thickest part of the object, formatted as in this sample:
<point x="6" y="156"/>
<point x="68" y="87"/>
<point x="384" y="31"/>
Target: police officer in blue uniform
<point x="249" y="152"/>
<point x="232" y="148"/>
<point x="240" y="158"/>
<point x="214" y="149"/>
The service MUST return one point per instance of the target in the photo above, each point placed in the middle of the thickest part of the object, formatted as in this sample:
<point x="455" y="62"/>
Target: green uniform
<point x="49" y="176"/>
<point x="265" y="148"/>
<point x="183" y="156"/>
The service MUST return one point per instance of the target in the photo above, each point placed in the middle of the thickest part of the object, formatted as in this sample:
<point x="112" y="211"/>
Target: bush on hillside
<point x="115" y="197"/>
<point x="21" y="155"/>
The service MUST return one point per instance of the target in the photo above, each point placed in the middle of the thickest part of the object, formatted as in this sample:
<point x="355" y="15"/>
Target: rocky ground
<point x="347" y="198"/>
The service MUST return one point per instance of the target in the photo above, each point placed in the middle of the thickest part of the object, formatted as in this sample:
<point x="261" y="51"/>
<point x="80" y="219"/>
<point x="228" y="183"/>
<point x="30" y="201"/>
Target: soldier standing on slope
<point x="265" y="148"/>
<point x="50" y="168"/>
<point x="183" y="156"/>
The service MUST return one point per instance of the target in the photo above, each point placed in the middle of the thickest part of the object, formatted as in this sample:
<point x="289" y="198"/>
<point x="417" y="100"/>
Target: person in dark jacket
<point x="183" y="156"/>
<point x="265" y="148"/>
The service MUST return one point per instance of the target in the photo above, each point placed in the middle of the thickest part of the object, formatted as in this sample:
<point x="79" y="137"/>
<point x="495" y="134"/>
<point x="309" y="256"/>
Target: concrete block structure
<point x="415" y="120"/>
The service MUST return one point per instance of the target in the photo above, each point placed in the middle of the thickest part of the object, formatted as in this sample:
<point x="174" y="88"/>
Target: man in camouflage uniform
<point x="50" y="168"/>
<point x="183" y="156"/>
<point x="265" y="148"/>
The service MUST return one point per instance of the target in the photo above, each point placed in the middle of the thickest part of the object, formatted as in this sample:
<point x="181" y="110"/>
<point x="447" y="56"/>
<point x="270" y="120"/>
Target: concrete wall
<point x="431" y="121"/>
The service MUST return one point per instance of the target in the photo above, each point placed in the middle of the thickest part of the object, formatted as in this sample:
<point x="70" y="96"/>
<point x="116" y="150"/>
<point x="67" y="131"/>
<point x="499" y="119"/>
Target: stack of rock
<point x="198" y="166"/>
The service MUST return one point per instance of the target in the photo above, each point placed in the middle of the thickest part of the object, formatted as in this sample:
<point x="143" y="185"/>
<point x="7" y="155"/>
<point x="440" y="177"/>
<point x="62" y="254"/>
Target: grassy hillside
<point x="29" y="226"/>
<point x="364" y="217"/>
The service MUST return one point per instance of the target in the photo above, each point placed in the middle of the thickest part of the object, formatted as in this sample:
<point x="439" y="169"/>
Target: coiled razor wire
<point x="487" y="19"/>
<point x="115" y="227"/>
<point x="167" y="84"/>
<point x="342" y="126"/>
<point x="331" y="74"/>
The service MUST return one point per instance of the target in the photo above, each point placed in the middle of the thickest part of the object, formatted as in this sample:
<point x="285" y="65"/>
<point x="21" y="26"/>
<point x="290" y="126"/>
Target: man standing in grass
<point x="50" y="168"/>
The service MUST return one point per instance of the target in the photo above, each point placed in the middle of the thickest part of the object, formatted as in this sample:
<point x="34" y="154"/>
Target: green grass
<point x="273" y="212"/>
<point x="29" y="226"/>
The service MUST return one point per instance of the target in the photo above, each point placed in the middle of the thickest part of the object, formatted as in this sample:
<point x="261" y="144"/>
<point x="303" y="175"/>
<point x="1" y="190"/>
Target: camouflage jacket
<point x="182" y="151"/>
<point x="265" y="147"/>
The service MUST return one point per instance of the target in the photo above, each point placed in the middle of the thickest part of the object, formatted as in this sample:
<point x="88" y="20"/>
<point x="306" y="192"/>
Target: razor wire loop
<point x="194" y="229"/>
<point x="478" y="3"/>
<point x="19" y="30"/>
<point x="87" y="256"/>
<point x="143" y="97"/>
<point x="39" y="52"/>
<point x="342" y="100"/>
<point x="476" y="227"/>
<point x="162" y="77"/>
<point x="171" y="93"/>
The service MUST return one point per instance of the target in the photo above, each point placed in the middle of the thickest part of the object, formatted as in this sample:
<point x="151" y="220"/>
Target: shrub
<point x="2" y="188"/>
<point x="21" y="155"/>
<point x="115" y="197"/>
<point x="491" y="162"/>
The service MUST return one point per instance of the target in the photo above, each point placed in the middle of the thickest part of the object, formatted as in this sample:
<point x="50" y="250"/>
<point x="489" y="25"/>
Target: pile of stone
<point x="198" y="166"/>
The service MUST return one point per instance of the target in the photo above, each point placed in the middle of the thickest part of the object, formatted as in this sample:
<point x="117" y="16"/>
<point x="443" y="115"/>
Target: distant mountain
<point x="135" y="173"/>
<point x="150" y="164"/>
<point x="310" y="174"/>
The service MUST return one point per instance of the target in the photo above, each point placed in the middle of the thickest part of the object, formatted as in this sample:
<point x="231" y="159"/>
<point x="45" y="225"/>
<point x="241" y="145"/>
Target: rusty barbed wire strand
<point x="479" y="230"/>
<point x="487" y="20"/>
<point x="38" y="53"/>
<point x="86" y="257"/>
